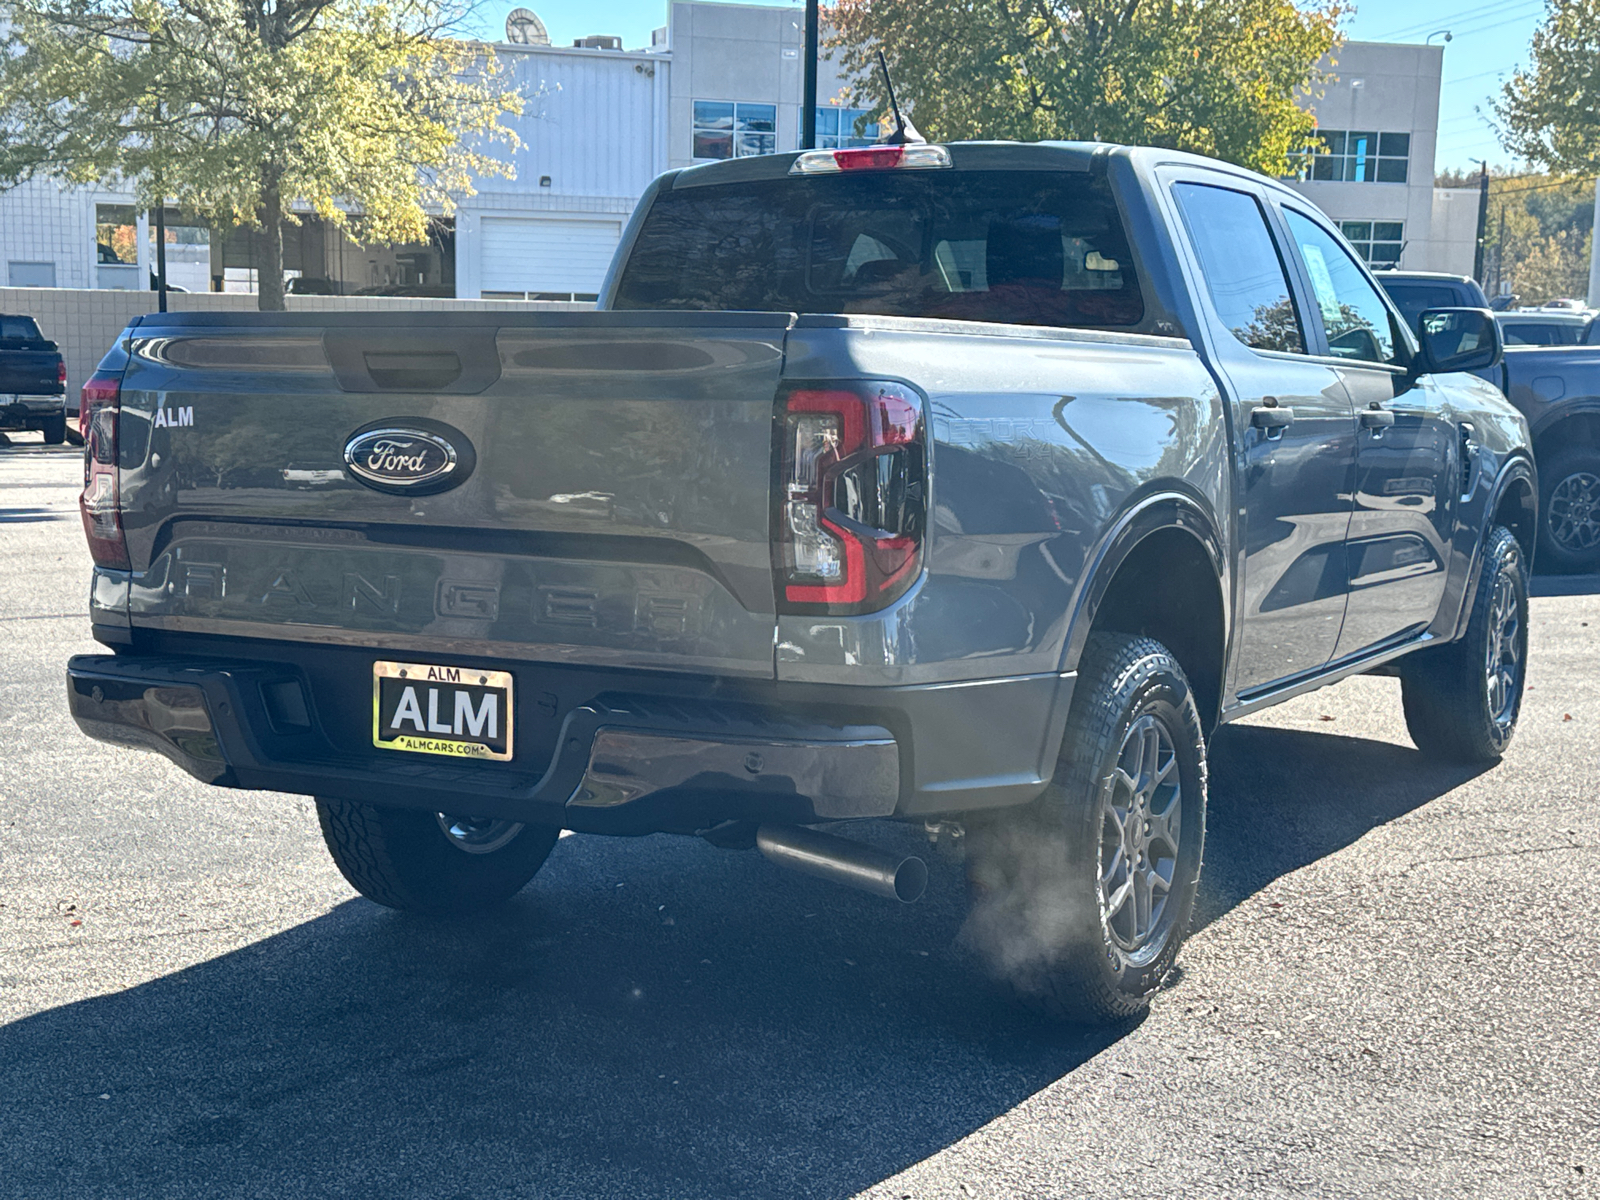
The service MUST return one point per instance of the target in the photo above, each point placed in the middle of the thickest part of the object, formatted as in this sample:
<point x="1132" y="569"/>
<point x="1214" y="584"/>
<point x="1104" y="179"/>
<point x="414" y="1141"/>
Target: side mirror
<point x="1457" y="339"/>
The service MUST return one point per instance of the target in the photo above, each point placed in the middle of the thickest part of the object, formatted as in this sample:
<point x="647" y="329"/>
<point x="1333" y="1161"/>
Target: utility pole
<point x="808" y="101"/>
<point x="1483" y="221"/>
<point x="1500" y="253"/>
<point x="161" y="256"/>
<point x="1594" y="259"/>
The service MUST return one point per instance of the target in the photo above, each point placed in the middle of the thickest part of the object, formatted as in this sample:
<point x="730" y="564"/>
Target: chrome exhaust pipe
<point x="844" y="861"/>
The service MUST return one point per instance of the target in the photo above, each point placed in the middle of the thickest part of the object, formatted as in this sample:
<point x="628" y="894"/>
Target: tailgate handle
<point x="459" y="361"/>
<point x="403" y="371"/>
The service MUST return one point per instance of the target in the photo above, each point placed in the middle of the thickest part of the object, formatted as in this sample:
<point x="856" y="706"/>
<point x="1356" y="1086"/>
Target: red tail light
<point x="99" y="410"/>
<point x="851" y="497"/>
<point x="61" y="373"/>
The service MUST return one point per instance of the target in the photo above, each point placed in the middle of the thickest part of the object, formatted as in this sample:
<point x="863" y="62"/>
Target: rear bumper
<point x="619" y="762"/>
<point x="28" y="412"/>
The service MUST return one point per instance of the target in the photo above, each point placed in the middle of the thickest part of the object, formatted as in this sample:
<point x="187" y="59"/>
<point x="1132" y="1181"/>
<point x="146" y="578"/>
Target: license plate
<point x="459" y="712"/>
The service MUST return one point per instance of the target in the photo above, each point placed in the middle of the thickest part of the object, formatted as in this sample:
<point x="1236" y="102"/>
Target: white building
<point x="1379" y="123"/>
<point x="718" y="80"/>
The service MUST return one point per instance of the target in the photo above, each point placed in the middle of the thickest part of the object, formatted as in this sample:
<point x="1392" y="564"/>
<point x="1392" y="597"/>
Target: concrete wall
<point x="86" y="323"/>
<point x="1387" y="89"/>
<point x="1453" y="243"/>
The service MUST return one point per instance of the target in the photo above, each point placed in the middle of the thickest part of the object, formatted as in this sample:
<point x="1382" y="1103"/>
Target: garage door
<point x="521" y="254"/>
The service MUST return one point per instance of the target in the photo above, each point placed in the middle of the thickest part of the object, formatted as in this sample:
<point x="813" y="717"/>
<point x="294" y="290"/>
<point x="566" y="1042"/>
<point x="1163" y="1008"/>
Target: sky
<point x="1489" y="39"/>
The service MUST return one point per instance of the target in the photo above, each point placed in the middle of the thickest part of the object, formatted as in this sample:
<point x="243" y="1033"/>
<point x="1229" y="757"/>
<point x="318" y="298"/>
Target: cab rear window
<point x="1019" y="247"/>
<point x="18" y="329"/>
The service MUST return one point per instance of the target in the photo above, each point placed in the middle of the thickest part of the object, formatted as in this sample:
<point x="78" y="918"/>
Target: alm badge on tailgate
<point x="462" y="712"/>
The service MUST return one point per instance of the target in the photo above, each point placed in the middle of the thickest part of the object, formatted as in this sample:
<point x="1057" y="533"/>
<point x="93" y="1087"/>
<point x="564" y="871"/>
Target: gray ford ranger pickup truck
<point x="972" y="486"/>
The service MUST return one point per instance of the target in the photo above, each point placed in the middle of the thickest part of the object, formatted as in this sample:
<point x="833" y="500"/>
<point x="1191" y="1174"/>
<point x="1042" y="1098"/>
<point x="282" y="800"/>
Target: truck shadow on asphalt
<point x="650" y="1018"/>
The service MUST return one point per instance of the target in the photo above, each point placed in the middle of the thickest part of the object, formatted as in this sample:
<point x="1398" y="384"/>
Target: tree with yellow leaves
<point x="1218" y="77"/>
<point x="367" y="111"/>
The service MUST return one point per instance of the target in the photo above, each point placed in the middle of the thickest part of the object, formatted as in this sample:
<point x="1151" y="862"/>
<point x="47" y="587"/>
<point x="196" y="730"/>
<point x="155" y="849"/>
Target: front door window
<point x="1357" y="321"/>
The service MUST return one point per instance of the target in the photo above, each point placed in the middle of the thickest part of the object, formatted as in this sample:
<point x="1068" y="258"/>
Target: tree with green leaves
<point x="366" y="111"/>
<point x="1219" y="77"/>
<point x="1549" y="114"/>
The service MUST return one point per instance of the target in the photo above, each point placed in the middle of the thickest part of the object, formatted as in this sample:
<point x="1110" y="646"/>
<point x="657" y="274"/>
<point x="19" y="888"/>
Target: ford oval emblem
<point x="412" y="457"/>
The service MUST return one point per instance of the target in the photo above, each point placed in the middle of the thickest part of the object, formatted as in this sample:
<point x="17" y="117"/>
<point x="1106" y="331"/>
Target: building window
<point x="188" y="251"/>
<point x="1378" y="242"/>
<point x="1358" y="156"/>
<point x="837" y="128"/>
<point x="116" y="234"/>
<point x="725" y="129"/>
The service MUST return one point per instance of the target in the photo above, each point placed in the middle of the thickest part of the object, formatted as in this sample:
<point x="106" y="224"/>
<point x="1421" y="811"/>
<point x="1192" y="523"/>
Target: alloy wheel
<point x="1574" y="512"/>
<point x="1506" y="651"/>
<point x="1140" y="836"/>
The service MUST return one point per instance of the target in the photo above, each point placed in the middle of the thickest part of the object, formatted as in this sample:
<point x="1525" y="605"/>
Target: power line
<point x="1483" y="10"/>
<point x="1479" y="75"/>
<point x="1474" y="30"/>
<point x="1537" y="187"/>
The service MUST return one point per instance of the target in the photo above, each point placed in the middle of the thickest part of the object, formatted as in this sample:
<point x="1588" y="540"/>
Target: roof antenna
<point x="904" y="130"/>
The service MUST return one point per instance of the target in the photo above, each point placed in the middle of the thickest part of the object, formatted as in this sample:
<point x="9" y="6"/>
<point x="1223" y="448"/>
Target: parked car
<point x="1558" y="391"/>
<point x="1415" y="291"/>
<point x="33" y="380"/>
<point x="1545" y="328"/>
<point x="967" y="486"/>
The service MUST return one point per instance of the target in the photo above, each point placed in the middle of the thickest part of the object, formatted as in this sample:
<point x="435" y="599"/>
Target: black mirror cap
<point x="1458" y="339"/>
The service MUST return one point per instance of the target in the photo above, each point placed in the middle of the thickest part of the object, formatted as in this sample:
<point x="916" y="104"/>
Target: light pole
<point x="1593" y="299"/>
<point x="161" y="256"/>
<point x="1483" y="218"/>
<point x="808" y="100"/>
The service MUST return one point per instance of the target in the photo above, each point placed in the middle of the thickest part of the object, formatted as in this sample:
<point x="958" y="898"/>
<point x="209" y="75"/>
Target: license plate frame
<point x="488" y="729"/>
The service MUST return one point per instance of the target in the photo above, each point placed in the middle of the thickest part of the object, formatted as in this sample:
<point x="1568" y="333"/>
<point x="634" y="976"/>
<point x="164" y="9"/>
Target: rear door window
<point x="1242" y="269"/>
<point x="1525" y="333"/>
<point x="1037" y="248"/>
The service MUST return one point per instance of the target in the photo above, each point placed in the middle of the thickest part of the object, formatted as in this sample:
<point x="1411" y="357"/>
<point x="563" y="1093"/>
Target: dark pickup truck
<point x="1557" y="388"/>
<point x="969" y="486"/>
<point x="33" y="380"/>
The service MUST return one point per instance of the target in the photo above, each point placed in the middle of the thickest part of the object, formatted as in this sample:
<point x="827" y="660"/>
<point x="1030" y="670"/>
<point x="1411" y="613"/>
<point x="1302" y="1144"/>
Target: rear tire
<point x="406" y="859"/>
<point x="1569" y="511"/>
<point x="1462" y="700"/>
<point x="1082" y="899"/>
<point x="55" y="430"/>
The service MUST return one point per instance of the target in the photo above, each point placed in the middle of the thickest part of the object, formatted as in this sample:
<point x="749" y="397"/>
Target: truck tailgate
<point x="29" y="372"/>
<point x="614" y="506"/>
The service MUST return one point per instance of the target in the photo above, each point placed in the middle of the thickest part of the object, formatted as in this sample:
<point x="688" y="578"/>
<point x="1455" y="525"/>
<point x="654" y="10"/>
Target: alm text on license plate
<point x="425" y="708"/>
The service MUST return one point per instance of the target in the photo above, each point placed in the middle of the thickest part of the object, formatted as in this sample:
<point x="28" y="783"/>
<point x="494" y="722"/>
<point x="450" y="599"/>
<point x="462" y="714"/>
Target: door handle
<point x="1376" y="418"/>
<point x="1270" y="416"/>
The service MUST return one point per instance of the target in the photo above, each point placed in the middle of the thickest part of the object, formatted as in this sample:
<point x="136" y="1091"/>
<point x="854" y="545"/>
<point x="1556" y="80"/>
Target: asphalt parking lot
<point x="1394" y="989"/>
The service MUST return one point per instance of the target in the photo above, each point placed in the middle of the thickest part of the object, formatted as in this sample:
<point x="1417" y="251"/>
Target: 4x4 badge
<point x="413" y="456"/>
